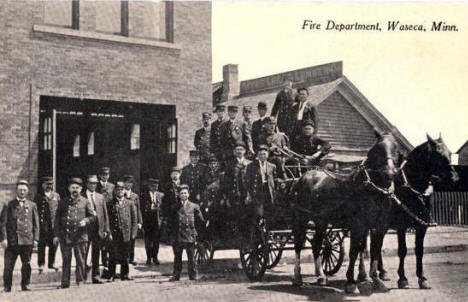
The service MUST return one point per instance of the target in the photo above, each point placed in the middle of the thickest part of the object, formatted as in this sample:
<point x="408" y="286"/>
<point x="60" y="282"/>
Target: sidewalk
<point x="439" y="239"/>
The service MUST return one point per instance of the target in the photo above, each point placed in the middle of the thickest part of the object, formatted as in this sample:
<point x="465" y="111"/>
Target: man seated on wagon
<point x="276" y="142"/>
<point x="309" y="144"/>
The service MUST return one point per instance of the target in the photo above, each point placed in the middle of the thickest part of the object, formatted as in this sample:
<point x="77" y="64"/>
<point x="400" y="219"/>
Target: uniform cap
<point x="47" y="180"/>
<point x="128" y="178"/>
<point x="262" y="105"/>
<point x="193" y="153"/>
<point x="240" y="144"/>
<point x="263" y="147"/>
<point x="220" y="108"/>
<point x="153" y="180"/>
<point x="206" y="115"/>
<point x="212" y="158"/>
<point x="75" y="180"/>
<point x="175" y="169"/>
<point x="270" y="120"/>
<point x="233" y="108"/>
<point x="22" y="182"/>
<point x="92" y="179"/>
<point x="103" y="170"/>
<point x="184" y="187"/>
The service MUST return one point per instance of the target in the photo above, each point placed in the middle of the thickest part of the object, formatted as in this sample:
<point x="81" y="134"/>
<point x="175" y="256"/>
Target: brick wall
<point x="34" y="64"/>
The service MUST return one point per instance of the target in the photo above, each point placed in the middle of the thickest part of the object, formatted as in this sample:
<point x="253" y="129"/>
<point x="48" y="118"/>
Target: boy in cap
<point x="184" y="234"/>
<point x="283" y="104"/>
<point x="202" y="138"/>
<point x="192" y="175"/>
<point x="74" y="214"/>
<point x="123" y="221"/>
<point x="257" y="126"/>
<point x="128" y="182"/>
<point x="19" y="229"/>
<point x="216" y="143"/>
<point x="151" y="201"/>
<point x="47" y="202"/>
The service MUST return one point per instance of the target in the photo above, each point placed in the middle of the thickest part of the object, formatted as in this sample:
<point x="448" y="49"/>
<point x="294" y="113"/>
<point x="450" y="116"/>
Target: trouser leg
<point x="95" y="251"/>
<point x="25" y="255"/>
<point x="148" y="247"/>
<point x="41" y="253"/>
<point x="124" y="267"/>
<point x="192" y="271"/>
<point x="79" y="250"/>
<point x="155" y="248"/>
<point x="52" y="251"/>
<point x="11" y="253"/>
<point x="131" y="252"/>
<point x="66" y="263"/>
<point x="112" y="260"/>
<point x="177" y="249"/>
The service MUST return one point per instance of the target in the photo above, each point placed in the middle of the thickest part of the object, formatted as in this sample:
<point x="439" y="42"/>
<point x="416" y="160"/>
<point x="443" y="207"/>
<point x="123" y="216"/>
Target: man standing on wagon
<point x="216" y="141"/>
<point x="202" y="139"/>
<point x="192" y="175"/>
<point x="283" y="103"/>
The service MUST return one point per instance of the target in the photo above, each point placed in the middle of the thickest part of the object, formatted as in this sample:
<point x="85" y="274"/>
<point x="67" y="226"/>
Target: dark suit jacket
<point x="257" y="130"/>
<point x="231" y="134"/>
<point x="216" y="141"/>
<point x="193" y="177"/>
<point x="100" y="226"/>
<point x="202" y="143"/>
<point x="47" y="209"/>
<point x="123" y="219"/>
<point x="282" y="108"/>
<point x="183" y="222"/>
<point x="136" y="199"/>
<point x="106" y="191"/>
<point x="309" y="113"/>
<point x="254" y="180"/>
<point x="19" y="225"/>
<point x="234" y="183"/>
<point x="69" y="215"/>
<point x="151" y="211"/>
<point x="171" y="196"/>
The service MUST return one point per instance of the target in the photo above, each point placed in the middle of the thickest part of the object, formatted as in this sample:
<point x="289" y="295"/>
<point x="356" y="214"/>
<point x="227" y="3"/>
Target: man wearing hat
<point x="302" y="110"/>
<point x="192" y="175"/>
<point x="171" y="196"/>
<point x="19" y="229"/>
<point x="74" y="214"/>
<point x="283" y="104"/>
<point x="275" y="142"/>
<point x="257" y="126"/>
<point x="47" y="202"/>
<point x="202" y="138"/>
<point x="132" y="196"/>
<point x="123" y="221"/>
<point x="104" y="187"/>
<point x="151" y="201"/>
<point x="183" y="236"/>
<point x="309" y="144"/>
<point x="213" y="178"/>
<point x="231" y="133"/>
<point x="247" y="130"/>
<point x="98" y="229"/>
<point x="216" y="143"/>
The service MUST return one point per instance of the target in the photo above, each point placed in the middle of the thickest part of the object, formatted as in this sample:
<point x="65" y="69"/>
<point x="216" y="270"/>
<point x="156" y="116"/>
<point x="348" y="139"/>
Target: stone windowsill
<point x="47" y="29"/>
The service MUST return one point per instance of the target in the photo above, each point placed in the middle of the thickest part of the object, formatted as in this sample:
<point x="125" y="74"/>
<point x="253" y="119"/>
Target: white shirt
<point x="240" y="160"/>
<point x="103" y="183"/>
<point x="90" y="195"/>
<point x="48" y="194"/>
<point x="263" y="170"/>
<point x="153" y="196"/>
<point x="301" y="110"/>
<point x="21" y="201"/>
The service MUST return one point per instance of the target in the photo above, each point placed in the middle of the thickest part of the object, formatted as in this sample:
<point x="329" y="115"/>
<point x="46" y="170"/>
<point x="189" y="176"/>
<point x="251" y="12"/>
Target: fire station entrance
<point x="76" y="137"/>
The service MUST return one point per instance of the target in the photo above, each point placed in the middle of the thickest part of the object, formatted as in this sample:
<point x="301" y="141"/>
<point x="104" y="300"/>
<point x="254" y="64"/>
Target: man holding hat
<point x="231" y="133"/>
<point x="192" y="175"/>
<point x="151" y="201"/>
<point x="98" y="229"/>
<point x="247" y="130"/>
<point x="184" y="234"/>
<point x="257" y="126"/>
<point x="132" y="196"/>
<point x="123" y="221"/>
<point x="19" y="229"/>
<point x="309" y="144"/>
<point x="216" y="142"/>
<point x="74" y="214"/>
<point x="283" y="104"/>
<point x="202" y="138"/>
<point x="47" y="202"/>
<point x="104" y="187"/>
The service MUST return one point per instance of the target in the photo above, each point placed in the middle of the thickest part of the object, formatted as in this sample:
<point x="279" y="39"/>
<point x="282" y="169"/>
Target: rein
<point x="406" y="184"/>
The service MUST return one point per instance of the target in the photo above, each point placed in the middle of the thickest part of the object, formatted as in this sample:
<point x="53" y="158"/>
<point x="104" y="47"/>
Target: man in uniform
<point x="202" y="138"/>
<point x="257" y="126"/>
<point x="302" y="110"/>
<point x="275" y="142"/>
<point x="212" y="179"/>
<point x="151" y="201"/>
<point x="98" y="230"/>
<point x="132" y="196"/>
<point x="184" y="234"/>
<point x="19" y="229"/>
<point x="283" y="104"/>
<point x="47" y="203"/>
<point x="105" y="187"/>
<point x="246" y="127"/>
<point x="123" y="221"/>
<point x="171" y="196"/>
<point x="231" y="133"/>
<point x="309" y="144"/>
<point x="192" y="175"/>
<point x="216" y="142"/>
<point x="74" y="214"/>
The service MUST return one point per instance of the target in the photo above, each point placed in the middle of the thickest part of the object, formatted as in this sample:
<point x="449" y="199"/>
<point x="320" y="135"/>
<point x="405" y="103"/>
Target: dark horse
<point x="358" y="202"/>
<point x="426" y="165"/>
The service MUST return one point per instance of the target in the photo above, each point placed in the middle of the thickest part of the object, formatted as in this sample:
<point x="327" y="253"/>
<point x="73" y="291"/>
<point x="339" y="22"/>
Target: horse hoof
<point x="351" y="288"/>
<point x="403" y="284"/>
<point x="362" y="277"/>
<point x="379" y="286"/>
<point x="384" y="277"/>
<point x="322" y="281"/>
<point x="423" y="284"/>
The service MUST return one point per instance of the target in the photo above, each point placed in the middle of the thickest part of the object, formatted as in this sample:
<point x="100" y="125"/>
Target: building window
<point x="62" y="13"/>
<point x="47" y="134"/>
<point x="148" y="19"/>
<point x="171" y="143"/>
<point x="135" y="137"/>
<point x="109" y="16"/>
<point x="76" y="146"/>
<point x="91" y="143"/>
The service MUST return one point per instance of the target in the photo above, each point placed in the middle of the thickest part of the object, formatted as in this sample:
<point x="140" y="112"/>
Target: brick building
<point x="85" y="84"/>
<point x="346" y="117"/>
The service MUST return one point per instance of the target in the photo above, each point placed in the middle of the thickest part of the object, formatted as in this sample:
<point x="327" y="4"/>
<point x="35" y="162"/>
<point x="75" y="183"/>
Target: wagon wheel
<point x="332" y="252"/>
<point x="274" y="254"/>
<point x="203" y="253"/>
<point x="254" y="254"/>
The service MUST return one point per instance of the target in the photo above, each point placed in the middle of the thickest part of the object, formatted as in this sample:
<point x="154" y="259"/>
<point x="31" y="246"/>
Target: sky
<point x="417" y="80"/>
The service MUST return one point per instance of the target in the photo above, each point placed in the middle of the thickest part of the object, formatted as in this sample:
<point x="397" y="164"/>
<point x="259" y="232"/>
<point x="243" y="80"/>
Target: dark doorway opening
<point x="79" y="136"/>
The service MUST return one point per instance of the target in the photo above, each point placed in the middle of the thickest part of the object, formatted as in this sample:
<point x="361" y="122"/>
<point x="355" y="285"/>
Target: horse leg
<point x="362" y="276"/>
<point x="419" y="252"/>
<point x="299" y="233"/>
<point x="402" y="250"/>
<point x="317" y="242"/>
<point x="382" y="272"/>
<point x="357" y="236"/>
<point x="375" y="250"/>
